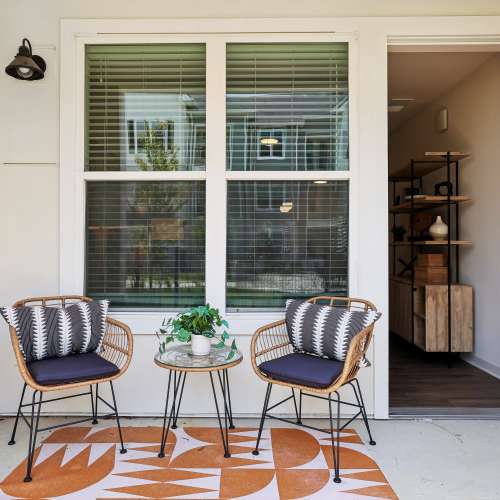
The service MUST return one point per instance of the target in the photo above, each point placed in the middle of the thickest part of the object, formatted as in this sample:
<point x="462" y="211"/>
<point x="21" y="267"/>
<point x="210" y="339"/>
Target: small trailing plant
<point x="202" y="320"/>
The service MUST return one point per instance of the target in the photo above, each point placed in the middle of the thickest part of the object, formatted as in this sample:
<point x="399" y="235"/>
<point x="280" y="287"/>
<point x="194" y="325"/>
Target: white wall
<point x="474" y="126"/>
<point x="29" y="133"/>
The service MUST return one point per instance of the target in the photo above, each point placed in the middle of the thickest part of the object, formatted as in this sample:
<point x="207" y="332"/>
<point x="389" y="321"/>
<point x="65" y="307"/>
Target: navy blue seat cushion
<point x="71" y="369"/>
<point x="303" y="369"/>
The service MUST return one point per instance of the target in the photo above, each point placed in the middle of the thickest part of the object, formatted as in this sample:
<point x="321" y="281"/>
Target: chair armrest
<point x="118" y="344"/>
<point x="357" y="350"/>
<point x="269" y="342"/>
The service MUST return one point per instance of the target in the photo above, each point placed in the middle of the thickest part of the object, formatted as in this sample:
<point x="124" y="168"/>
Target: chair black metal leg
<point x="299" y="419"/>
<point x="361" y="403"/>
<point x="231" y="424"/>
<point x="223" y="431"/>
<point x="96" y="402"/>
<point x="94" y="405"/>
<point x="174" y="423"/>
<point x="33" y="435"/>
<point x="262" y="418"/>
<point x="123" y="449"/>
<point x="14" y="430"/>
<point x="335" y="448"/>
<point x="300" y="405"/>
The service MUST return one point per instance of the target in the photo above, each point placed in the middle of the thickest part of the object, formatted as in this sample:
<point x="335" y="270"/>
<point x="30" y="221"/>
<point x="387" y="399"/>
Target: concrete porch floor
<point x="422" y="459"/>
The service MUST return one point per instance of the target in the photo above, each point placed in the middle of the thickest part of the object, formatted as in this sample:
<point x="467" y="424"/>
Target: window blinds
<point x="145" y="107"/>
<point x="286" y="239"/>
<point x="299" y="92"/>
<point x="145" y="243"/>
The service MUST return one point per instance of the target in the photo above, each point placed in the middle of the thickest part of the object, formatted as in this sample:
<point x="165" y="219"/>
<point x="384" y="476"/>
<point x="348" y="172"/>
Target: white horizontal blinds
<point x="145" y="107"/>
<point x="286" y="239"/>
<point x="145" y="243"/>
<point x="287" y="106"/>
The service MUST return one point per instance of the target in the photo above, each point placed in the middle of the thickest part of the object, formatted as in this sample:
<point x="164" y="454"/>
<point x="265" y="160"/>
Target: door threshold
<point x="462" y="413"/>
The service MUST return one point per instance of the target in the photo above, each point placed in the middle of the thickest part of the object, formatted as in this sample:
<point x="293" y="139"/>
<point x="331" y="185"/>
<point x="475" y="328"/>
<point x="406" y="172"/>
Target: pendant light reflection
<point x="26" y="65"/>
<point x="286" y="207"/>
<point x="269" y="141"/>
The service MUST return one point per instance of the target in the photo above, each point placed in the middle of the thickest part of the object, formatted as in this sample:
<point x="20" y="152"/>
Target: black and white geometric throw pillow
<point x="324" y="330"/>
<point x="47" y="332"/>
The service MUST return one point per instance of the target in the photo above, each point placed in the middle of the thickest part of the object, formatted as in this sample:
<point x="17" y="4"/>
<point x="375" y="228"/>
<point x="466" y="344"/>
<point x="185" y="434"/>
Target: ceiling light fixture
<point x="286" y="207"/>
<point x="320" y="182"/>
<point x="25" y="65"/>
<point x="269" y="141"/>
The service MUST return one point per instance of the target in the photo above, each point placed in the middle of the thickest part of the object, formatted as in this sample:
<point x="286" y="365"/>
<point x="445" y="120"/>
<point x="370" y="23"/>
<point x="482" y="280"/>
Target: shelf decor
<point x="439" y="230"/>
<point x="431" y="308"/>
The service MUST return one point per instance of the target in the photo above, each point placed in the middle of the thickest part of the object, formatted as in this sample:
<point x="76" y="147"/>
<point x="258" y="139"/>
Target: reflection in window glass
<point x="285" y="239"/>
<point x="280" y="99"/>
<point x="145" y="243"/>
<point x="144" y="105"/>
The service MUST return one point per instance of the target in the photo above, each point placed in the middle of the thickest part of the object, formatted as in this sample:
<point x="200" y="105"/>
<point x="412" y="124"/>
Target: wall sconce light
<point x="25" y="65"/>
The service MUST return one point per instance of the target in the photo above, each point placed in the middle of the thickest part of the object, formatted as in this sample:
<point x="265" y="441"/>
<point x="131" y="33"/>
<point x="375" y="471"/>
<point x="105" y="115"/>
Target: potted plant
<point x="199" y="326"/>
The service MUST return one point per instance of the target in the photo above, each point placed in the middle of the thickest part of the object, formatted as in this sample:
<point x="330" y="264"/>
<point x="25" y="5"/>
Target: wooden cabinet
<point x="430" y="315"/>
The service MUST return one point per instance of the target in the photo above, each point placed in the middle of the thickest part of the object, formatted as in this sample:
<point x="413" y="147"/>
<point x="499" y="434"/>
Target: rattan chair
<point x="271" y="342"/>
<point x="116" y="347"/>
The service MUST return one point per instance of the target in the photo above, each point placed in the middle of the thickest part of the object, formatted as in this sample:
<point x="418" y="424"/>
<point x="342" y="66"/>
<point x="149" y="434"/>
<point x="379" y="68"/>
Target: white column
<point x="215" y="272"/>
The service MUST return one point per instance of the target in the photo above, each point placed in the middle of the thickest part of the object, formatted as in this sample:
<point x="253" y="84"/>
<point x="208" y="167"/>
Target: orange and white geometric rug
<point x="84" y="463"/>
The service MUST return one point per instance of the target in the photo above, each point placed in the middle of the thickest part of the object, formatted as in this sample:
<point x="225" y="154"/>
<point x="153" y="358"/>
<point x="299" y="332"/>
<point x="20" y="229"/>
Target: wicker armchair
<point x="271" y="342"/>
<point x="116" y="348"/>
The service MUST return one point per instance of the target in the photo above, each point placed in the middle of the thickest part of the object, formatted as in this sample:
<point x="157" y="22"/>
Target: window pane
<point x="286" y="239"/>
<point x="298" y="93"/>
<point x="145" y="244"/>
<point x="138" y="93"/>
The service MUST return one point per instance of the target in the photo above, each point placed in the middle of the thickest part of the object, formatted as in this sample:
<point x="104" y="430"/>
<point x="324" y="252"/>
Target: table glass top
<point x="182" y="357"/>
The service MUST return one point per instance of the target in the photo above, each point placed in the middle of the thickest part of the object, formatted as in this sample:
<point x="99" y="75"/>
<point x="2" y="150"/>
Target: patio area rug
<point x="85" y="463"/>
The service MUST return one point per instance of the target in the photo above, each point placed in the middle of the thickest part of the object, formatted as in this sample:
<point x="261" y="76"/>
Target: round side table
<point x="179" y="361"/>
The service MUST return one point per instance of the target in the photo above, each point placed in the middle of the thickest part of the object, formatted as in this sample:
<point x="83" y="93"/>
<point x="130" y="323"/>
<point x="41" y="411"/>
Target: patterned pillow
<point x="47" y="332"/>
<point x="324" y="330"/>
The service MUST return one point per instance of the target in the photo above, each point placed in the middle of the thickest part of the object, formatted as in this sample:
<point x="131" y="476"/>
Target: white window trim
<point x="73" y="177"/>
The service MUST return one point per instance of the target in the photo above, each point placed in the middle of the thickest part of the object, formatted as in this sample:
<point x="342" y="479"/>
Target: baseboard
<point x="482" y="364"/>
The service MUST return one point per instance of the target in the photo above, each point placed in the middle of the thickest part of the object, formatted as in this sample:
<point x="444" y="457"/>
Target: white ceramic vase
<point x="439" y="230"/>
<point x="200" y="345"/>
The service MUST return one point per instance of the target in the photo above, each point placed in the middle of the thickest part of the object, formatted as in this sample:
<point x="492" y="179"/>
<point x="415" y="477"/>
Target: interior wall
<point x="473" y="126"/>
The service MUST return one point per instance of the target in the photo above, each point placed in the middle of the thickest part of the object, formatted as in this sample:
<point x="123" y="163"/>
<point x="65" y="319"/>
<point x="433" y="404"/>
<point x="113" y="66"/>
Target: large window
<point x="145" y="106"/>
<point x="279" y="97"/>
<point x="145" y="112"/>
<point x="277" y="221"/>
<point x="286" y="239"/>
<point x="146" y="243"/>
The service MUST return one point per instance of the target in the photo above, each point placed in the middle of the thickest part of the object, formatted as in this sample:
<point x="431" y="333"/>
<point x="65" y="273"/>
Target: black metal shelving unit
<point x="413" y="174"/>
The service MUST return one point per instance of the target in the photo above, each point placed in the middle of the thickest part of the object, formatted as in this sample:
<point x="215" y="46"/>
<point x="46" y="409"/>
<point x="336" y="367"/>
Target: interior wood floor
<point x="421" y="379"/>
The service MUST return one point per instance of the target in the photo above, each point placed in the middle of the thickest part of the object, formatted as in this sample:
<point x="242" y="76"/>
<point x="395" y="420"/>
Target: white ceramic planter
<point x="200" y="345"/>
<point x="439" y="230"/>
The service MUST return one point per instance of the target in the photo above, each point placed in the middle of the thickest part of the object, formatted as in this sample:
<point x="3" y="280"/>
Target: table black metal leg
<point x="231" y="424"/>
<point x="166" y="425"/>
<point x="174" y="423"/>
<point x="223" y="431"/>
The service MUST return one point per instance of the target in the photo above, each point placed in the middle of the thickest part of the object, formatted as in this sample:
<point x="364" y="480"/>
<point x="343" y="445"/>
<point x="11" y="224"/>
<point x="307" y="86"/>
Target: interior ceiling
<point x="423" y="77"/>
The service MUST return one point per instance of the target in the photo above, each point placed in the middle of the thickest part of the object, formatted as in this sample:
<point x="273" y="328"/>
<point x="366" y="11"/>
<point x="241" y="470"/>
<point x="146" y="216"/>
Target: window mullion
<point x="215" y="273"/>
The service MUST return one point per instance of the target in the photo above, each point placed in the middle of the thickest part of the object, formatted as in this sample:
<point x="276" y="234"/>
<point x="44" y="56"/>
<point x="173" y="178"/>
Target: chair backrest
<point x="343" y="302"/>
<point x="54" y="300"/>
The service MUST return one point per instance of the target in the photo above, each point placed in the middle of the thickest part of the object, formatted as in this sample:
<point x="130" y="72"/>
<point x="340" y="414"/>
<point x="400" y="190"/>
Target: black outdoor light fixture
<point x="25" y="65"/>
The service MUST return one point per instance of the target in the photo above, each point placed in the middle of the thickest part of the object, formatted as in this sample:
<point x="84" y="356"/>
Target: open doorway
<point x="444" y="150"/>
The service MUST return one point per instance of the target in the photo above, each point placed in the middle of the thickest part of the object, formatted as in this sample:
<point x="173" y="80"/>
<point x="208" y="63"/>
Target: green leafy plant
<point x="201" y="320"/>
